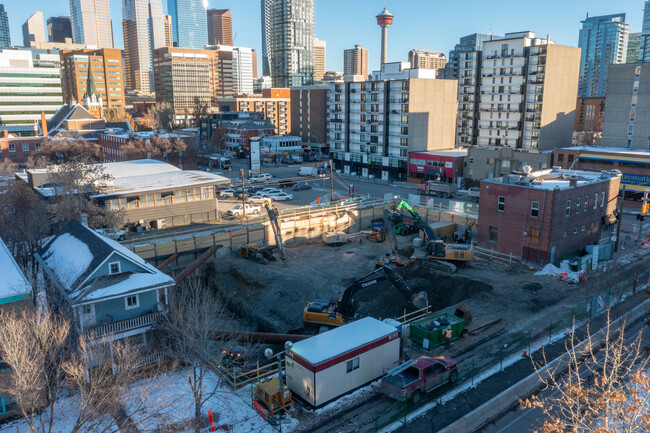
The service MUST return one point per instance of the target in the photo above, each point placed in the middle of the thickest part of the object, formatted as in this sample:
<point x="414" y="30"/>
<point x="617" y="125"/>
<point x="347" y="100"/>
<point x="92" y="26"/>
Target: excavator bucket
<point x="421" y="300"/>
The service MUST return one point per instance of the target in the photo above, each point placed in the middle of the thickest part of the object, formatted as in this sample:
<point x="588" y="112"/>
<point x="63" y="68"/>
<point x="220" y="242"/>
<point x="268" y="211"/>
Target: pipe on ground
<point x="258" y="337"/>
<point x="167" y="261"/>
<point x="195" y="264"/>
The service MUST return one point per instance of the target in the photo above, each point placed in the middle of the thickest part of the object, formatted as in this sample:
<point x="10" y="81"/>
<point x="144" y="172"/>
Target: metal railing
<point x="123" y="325"/>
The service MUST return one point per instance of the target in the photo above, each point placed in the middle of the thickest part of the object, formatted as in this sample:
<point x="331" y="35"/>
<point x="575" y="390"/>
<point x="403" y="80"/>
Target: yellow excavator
<point x="261" y="253"/>
<point x="340" y="312"/>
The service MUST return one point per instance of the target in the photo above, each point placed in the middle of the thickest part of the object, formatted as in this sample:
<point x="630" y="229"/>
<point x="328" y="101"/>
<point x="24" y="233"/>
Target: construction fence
<point x="494" y="356"/>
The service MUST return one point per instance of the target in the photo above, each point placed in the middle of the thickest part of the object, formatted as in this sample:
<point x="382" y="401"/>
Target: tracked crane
<point x="273" y="219"/>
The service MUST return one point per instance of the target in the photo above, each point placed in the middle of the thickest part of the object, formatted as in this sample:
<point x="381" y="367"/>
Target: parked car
<point x="282" y="196"/>
<point x="418" y="376"/>
<point x="301" y="187"/>
<point x="267" y="191"/>
<point x="257" y="199"/>
<point x="238" y="210"/>
<point x="259" y="178"/>
<point x="227" y="193"/>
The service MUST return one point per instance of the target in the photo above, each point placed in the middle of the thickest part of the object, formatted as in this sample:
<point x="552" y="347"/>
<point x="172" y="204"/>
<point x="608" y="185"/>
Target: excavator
<point x="340" y="312"/>
<point x="263" y="254"/>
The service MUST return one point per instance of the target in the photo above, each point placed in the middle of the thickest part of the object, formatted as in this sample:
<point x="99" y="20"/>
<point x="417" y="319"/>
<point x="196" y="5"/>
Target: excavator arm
<point x="404" y="204"/>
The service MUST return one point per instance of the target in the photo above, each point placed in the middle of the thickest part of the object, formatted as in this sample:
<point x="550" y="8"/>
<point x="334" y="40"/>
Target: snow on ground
<point x="171" y="394"/>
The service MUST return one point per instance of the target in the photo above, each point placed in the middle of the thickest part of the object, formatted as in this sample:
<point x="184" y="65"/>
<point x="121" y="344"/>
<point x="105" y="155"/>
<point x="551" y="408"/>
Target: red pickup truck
<point x="419" y="375"/>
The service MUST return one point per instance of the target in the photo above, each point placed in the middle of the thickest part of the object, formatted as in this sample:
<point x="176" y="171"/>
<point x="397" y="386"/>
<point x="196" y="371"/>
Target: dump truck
<point x="440" y="189"/>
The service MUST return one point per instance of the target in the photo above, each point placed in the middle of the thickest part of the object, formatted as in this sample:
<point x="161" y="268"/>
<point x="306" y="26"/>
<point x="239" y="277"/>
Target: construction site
<point x="305" y="276"/>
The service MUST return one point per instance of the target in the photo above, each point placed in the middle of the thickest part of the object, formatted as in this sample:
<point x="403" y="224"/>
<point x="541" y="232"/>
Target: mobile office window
<point x="353" y="365"/>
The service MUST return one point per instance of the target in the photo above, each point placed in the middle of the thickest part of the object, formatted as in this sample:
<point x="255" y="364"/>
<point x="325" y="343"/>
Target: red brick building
<point x="549" y="215"/>
<point x="237" y="134"/>
<point x="443" y="165"/>
<point x="113" y="142"/>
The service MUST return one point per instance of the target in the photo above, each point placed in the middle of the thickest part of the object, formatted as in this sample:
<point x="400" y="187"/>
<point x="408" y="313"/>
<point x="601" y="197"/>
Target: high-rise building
<point x="254" y="53"/>
<point x="274" y="104"/>
<point x="355" y="61"/>
<point x="292" y="42"/>
<point x="59" y="29"/>
<point x="633" y="48"/>
<point x="309" y="115"/>
<point x="239" y="72"/>
<point x="468" y="44"/>
<point x="5" y="35"/>
<point x="91" y="23"/>
<point x="518" y="92"/>
<point x="190" y="24"/>
<point x="644" y="51"/>
<point x="183" y="75"/>
<point x="266" y="9"/>
<point x="144" y="31"/>
<point x="428" y="59"/>
<point x="627" y="109"/>
<point x="374" y="124"/>
<point x="220" y="27"/>
<point x="35" y="88"/>
<point x="169" y="33"/>
<point x="34" y="29"/>
<point x="320" y="53"/>
<point x="106" y="66"/>
<point x="603" y="40"/>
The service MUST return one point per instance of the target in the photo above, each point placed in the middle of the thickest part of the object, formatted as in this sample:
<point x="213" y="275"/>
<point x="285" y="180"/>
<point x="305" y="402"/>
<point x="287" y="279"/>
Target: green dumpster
<point x="428" y="332"/>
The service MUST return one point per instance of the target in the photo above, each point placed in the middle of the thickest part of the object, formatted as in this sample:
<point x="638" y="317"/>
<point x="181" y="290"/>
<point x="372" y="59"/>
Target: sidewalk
<point x="394" y="184"/>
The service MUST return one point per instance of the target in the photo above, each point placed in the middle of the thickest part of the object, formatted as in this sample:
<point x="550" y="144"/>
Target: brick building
<point x="445" y="166"/>
<point x="309" y="115"/>
<point x="548" y="215"/>
<point x="274" y="104"/>
<point x="237" y="134"/>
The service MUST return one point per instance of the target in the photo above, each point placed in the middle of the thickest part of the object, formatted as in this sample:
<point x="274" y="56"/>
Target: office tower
<point x="428" y="59"/>
<point x="169" y="35"/>
<point x="518" y="92"/>
<point x="220" y="27"/>
<point x="355" y="61"/>
<point x="633" y="48"/>
<point x="468" y="44"/>
<point x="292" y="42"/>
<point x="266" y="9"/>
<point x="144" y="31"/>
<point x="644" y="51"/>
<point x="627" y="109"/>
<point x="309" y="115"/>
<point x="262" y="83"/>
<point x="5" y="35"/>
<point x="374" y="124"/>
<point x="320" y="50"/>
<point x="35" y="84"/>
<point x="59" y="29"/>
<point x="190" y="24"/>
<point x="239" y="73"/>
<point x="34" y="29"/>
<point x="106" y="64"/>
<point x="603" y="41"/>
<point x="91" y="23"/>
<point x="384" y="20"/>
<point x="181" y="76"/>
<point x="254" y="63"/>
<point x="273" y="103"/>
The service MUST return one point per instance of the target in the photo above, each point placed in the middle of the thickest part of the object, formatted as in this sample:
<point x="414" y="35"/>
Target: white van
<point x="258" y="178"/>
<point x="308" y="171"/>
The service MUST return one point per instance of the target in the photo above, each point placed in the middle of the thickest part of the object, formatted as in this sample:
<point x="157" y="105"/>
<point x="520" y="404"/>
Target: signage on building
<point x="255" y="157"/>
<point x="635" y="179"/>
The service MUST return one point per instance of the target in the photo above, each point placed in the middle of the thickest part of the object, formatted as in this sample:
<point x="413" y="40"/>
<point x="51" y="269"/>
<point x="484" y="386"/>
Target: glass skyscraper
<point x="603" y="41"/>
<point x="266" y="36"/>
<point x="91" y="23"/>
<point x="5" y="37"/>
<point x="190" y="22"/>
<point x="644" y="51"/>
<point x="144" y="31"/>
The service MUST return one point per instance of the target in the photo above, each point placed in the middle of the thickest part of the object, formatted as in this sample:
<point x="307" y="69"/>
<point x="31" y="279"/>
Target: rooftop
<point x="452" y="152"/>
<point x="553" y="179"/>
<point x="13" y="285"/>
<point x="636" y="152"/>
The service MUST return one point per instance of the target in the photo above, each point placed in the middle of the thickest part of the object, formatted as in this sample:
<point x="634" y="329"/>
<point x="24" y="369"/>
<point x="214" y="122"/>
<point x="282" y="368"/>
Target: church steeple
<point x="92" y="99"/>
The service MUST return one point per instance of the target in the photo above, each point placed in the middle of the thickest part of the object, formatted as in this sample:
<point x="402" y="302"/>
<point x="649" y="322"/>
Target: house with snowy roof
<point x="15" y="294"/>
<point x="111" y="292"/>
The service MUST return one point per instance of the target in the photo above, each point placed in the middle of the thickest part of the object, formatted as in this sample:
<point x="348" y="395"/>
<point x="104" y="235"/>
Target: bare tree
<point x="141" y="149"/>
<point x="199" y="110"/>
<point x="8" y="168"/>
<point x="62" y="151"/>
<point x="194" y="314"/>
<point x="160" y="116"/>
<point x="606" y="387"/>
<point x="115" y="115"/>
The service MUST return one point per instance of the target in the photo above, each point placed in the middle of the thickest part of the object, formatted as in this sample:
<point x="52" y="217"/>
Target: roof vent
<point x="573" y="181"/>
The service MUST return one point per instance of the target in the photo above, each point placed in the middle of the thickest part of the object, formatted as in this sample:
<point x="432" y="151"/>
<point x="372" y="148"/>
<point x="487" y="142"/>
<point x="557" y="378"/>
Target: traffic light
<point x="645" y="208"/>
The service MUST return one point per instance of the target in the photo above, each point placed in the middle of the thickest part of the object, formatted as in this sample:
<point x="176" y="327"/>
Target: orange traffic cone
<point x="525" y="354"/>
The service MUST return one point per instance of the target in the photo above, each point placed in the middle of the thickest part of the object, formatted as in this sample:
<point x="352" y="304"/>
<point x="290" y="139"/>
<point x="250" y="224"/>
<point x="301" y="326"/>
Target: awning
<point x="630" y="187"/>
<point x="602" y="157"/>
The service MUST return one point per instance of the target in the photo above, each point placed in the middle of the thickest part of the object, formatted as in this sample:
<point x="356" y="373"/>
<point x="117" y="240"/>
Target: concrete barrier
<point x="504" y="401"/>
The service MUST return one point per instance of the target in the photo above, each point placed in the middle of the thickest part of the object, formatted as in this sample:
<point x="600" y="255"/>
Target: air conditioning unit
<point x="158" y="224"/>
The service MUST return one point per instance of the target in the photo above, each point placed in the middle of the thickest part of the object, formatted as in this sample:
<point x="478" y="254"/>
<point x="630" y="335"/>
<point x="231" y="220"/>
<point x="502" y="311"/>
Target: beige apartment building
<point x="518" y="92"/>
<point x="427" y="59"/>
<point x="355" y="61"/>
<point x="106" y="66"/>
<point x="169" y="35"/>
<point x="374" y="124"/>
<point x="274" y="104"/>
<point x="320" y="53"/>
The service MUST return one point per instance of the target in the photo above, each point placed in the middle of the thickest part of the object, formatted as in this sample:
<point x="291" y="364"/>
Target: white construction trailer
<point x="326" y="366"/>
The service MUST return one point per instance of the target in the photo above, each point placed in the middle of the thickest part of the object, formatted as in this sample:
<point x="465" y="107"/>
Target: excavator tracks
<point x="441" y="265"/>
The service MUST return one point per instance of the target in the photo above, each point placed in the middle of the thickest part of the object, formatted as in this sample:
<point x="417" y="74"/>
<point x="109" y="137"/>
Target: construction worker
<point x="447" y="334"/>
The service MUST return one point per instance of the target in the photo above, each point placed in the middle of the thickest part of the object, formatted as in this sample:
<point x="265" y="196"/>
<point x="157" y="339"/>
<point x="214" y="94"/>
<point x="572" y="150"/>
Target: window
<point x="583" y="228"/>
<point x="12" y="147"/>
<point x="353" y="364"/>
<point x="566" y="234"/>
<point x="534" y="209"/>
<point x="114" y="268"/>
<point x="25" y="147"/>
<point x="592" y="225"/>
<point x="501" y="203"/>
<point x="586" y="203"/>
<point x="568" y="207"/>
<point x="86" y="309"/>
<point x="595" y="200"/>
<point x="575" y="230"/>
<point x="7" y="404"/>
<point x="493" y="234"/>
<point x="131" y="302"/>
<point x="602" y="199"/>
<point x="577" y="205"/>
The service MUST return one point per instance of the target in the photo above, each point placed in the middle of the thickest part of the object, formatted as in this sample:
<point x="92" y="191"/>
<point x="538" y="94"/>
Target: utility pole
<point x="331" y="182"/>
<point x="243" y="193"/>
<point x="620" y="222"/>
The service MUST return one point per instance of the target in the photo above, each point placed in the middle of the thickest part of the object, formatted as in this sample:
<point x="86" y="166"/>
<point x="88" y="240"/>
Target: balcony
<point x="123" y="325"/>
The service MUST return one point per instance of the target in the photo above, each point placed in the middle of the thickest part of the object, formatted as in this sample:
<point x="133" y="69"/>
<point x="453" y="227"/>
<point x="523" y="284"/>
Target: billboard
<point x="255" y="159"/>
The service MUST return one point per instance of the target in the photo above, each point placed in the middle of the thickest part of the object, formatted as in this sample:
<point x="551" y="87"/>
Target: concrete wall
<point x="484" y="162"/>
<point x="439" y="98"/>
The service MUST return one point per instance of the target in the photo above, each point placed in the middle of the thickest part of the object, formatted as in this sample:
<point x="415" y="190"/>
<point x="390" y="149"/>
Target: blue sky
<point x="425" y="24"/>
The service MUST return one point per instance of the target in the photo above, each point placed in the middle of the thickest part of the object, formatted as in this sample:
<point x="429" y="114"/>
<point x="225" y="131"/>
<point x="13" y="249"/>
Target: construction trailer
<point x="326" y="366"/>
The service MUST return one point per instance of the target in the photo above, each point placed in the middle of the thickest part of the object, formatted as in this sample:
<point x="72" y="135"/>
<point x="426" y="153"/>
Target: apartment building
<point x="355" y="61"/>
<point x="274" y="104"/>
<point x="29" y="87"/>
<point x="183" y="74"/>
<point x="627" y="111"/>
<point x="589" y="114"/>
<point x="374" y="124"/>
<point x="169" y="34"/>
<point x="428" y="59"/>
<point x="320" y="55"/>
<point x="467" y="44"/>
<point x="309" y="115"/>
<point x="518" y="92"/>
<point x="106" y="67"/>
<point x="220" y="27"/>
